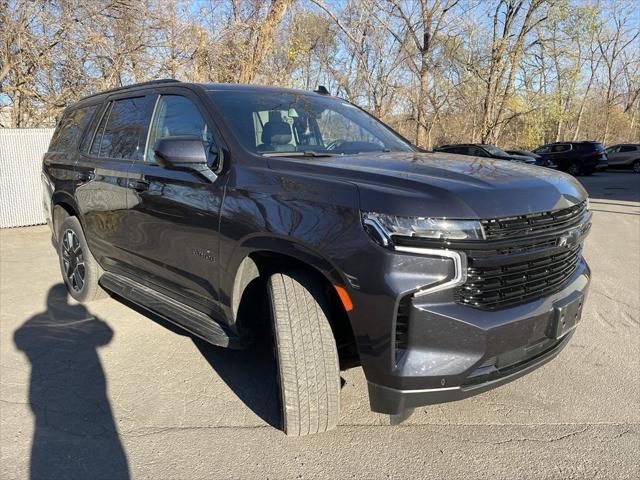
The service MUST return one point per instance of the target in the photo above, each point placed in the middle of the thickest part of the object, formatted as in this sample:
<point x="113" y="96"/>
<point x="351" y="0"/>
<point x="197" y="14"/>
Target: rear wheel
<point x="636" y="166"/>
<point x="80" y="271"/>
<point x="308" y="369"/>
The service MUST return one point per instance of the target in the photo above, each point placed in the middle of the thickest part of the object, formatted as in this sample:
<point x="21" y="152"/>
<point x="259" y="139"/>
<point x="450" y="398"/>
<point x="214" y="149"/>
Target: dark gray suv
<point x="251" y="214"/>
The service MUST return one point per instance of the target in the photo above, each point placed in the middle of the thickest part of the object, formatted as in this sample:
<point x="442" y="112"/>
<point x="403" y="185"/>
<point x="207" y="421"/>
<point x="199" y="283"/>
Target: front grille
<point x="508" y="284"/>
<point x="534" y="223"/>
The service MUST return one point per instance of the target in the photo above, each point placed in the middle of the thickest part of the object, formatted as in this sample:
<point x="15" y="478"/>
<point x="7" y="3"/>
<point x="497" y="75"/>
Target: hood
<point x="442" y="184"/>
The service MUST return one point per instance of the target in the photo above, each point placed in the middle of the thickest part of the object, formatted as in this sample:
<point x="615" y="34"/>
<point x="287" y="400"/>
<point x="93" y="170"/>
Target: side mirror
<point x="180" y="150"/>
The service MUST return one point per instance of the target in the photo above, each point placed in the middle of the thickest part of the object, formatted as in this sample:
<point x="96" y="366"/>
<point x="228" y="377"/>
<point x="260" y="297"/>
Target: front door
<point x="172" y="215"/>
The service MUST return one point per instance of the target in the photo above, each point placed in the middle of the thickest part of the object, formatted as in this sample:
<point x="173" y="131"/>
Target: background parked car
<point x="625" y="155"/>
<point x="540" y="160"/>
<point x="576" y="158"/>
<point x="484" y="150"/>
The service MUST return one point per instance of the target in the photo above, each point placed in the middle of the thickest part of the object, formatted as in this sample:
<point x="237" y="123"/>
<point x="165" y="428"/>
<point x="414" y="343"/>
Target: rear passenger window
<point x="627" y="148"/>
<point x="121" y="131"/>
<point x="70" y="127"/>
<point x="177" y="115"/>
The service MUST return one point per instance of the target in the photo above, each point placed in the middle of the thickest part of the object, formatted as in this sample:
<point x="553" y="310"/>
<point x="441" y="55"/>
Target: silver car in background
<point x="625" y="155"/>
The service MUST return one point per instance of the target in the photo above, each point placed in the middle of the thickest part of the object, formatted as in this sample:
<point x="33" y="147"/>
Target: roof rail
<point x="133" y="85"/>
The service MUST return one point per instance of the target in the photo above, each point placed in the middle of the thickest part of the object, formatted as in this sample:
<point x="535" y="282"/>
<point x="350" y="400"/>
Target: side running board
<point x="175" y="312"/>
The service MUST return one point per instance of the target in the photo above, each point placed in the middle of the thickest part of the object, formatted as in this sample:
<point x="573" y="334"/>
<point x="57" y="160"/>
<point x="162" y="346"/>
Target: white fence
<point x="21" y="153"/>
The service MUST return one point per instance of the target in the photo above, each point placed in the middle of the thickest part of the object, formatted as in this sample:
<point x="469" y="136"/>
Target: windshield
<point x="271" y="124"/>
<point x="493" y="150"/>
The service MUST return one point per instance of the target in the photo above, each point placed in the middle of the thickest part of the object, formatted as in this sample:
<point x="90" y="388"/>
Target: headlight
<point x="384" y="227"/>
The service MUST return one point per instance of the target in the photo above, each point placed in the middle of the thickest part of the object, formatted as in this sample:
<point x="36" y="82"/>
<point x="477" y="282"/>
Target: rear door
<point x="106" y="154"/>
<point x="173" y="213"/>
<point x="58" y="170"/>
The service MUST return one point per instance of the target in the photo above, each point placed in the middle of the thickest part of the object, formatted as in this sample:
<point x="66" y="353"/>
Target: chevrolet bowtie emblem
<point x="570" y="238"/>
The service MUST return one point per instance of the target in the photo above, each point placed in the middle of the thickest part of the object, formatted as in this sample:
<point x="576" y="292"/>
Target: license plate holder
<point x="566" y="314"/>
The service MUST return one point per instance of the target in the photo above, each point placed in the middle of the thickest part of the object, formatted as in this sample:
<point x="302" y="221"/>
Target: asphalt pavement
<point x="104" y="391"/>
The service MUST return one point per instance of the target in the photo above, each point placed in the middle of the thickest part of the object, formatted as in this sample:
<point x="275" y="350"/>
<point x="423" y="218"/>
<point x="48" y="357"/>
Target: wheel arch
<point x="62" y="206"/>
<point x="264" y="256"/>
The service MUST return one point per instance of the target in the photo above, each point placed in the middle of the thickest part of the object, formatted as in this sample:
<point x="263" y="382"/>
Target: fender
<point x="66" y="200"/>
<point x="243" y="270"/>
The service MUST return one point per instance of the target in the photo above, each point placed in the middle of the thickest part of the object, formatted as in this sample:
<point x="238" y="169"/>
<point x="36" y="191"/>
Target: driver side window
<point x="177" y="115"/>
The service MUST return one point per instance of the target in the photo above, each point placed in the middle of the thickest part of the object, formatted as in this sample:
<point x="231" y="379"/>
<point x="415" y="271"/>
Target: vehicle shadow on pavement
<point x="75" y="435"/>
<point x="250" y="373"/>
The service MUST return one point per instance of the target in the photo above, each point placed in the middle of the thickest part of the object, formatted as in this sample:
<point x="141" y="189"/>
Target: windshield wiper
<point x="306" y="153"/>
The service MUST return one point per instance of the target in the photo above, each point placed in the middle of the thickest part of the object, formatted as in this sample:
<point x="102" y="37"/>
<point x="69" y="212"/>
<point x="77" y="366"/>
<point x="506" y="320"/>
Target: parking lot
<point x="103" y="391"/>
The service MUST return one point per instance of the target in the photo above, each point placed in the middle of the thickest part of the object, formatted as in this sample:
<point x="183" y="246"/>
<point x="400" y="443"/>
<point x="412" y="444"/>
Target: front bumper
<point x="393" y="401"/>
<point x="454" y="351"/>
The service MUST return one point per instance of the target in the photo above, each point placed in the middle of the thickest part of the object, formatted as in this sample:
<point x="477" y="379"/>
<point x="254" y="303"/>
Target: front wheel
<point x="636" y="166"/>
<point x="574" y="169"/>
<point x="80" y="271"/>
<point x="307" y="357"/>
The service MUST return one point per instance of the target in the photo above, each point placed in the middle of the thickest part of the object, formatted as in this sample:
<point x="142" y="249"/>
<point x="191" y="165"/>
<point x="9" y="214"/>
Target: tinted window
<point x="177" y="115"/>
<point x="95" y="148"/>
<point x="627" y="148"/>
<point x="70" y="127"/>
<point x="614" y="149"/>
<point x="478" y="152"/>
<point x="121" y="131"/>
<point x="590" y="147"/>
<point x="493" y="150"/>
<point x="545" y="149"/>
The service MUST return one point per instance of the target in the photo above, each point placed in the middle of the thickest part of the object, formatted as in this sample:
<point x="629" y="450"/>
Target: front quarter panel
<point x="303" y="216"/>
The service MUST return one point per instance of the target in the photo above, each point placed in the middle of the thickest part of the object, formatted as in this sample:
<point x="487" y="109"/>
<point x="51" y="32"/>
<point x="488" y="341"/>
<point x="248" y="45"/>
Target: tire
<point x="636" y="166"/>
<point x="574" y="169"/>
<point x="306" y="353"/>
<point x="79" y="268"/>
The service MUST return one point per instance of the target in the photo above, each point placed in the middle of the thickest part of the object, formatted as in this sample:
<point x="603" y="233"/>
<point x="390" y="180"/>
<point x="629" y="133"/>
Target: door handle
<point x="137" y="185"/>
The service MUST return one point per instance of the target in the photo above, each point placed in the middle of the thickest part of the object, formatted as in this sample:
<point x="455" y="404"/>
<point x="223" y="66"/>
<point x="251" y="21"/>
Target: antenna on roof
<point x="322" y="90"/>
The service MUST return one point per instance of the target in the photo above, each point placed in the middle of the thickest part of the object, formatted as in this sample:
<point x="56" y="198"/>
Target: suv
<point x="246" y="213"/>
<point x="484" y="150"/>
<point x="624" y="156"/>
<point x="576" y="158"/>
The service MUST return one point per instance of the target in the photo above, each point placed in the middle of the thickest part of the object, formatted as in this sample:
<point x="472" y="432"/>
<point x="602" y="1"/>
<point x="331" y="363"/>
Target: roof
<point x="234" y="87"/>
